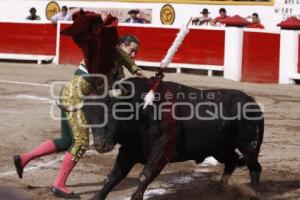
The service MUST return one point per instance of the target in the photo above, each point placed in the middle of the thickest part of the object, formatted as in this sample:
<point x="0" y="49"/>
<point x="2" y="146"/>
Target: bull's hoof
<point x="255" y="177"/>
<point x="137" y="196"/>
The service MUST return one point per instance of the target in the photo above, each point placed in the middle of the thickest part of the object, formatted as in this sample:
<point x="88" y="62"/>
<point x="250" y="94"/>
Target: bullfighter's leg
<point x="122" y="167"/>
<point x="159" y="157"/>
<point x="80" y="134"/>
<point x="230" y="161"/>
<point x="46" y="148"/>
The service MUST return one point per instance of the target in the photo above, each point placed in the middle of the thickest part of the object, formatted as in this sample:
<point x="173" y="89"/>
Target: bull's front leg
<point x="123" y="164"/>
<point x="160" y="155"/>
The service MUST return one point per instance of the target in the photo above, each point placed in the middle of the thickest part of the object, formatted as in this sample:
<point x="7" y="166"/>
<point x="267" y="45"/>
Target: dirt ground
<point x="25" y="102"/>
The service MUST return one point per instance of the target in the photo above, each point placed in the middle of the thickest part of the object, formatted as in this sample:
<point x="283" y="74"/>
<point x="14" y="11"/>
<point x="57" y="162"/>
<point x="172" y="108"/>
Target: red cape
<point x="96" y="38"/>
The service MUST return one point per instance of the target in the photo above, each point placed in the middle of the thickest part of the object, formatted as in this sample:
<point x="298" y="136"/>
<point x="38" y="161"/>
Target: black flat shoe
<point x="18" y="166"/>
<point x="61" y="194"/>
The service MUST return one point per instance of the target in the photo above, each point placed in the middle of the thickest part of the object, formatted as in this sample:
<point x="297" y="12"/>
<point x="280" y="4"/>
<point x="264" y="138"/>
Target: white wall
<point x="17" y="10"/>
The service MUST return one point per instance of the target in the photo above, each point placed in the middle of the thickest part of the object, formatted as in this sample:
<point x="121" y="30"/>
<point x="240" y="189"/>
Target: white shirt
<point x="201" y="20"/>
<point x="60" y="16"/>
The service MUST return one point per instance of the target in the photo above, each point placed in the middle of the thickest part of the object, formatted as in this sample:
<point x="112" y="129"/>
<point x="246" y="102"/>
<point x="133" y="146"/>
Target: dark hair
<point x="64" y="8"/>
<point x="133" y="12"/>
<point x="32" y="10"/>
<point x="127" y="39"/>
<point x="255" y="14"/>
<point x="205" y="11"/>
<point x="222" y="10"/>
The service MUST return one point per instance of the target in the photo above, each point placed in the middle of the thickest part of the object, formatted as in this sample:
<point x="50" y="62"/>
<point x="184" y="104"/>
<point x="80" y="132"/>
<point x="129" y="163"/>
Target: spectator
<point x="33" y="15"/>
<point x="223" y="15"/>
<point x="134" y="17"/>
<point x="204" y="19"/>
<point x="62" y="15"/>
<point x="255" y="22"/>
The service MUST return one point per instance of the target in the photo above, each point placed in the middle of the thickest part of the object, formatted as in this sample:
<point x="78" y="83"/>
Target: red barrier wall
<point x="20" y="38"/>
<point x="199" y="47"/>
<point x="261" y="57"/>
<point x="299" y="56"/>
<point x="260" y="52"/>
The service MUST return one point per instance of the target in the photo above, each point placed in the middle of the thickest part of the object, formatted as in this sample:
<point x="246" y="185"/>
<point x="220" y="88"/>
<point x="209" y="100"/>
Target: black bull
<point x="209" y="123"/>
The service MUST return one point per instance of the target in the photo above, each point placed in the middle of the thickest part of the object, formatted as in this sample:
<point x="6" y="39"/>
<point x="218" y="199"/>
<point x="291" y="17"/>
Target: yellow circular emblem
<point x="51" y="9"/>
<point x="167" y="14"/>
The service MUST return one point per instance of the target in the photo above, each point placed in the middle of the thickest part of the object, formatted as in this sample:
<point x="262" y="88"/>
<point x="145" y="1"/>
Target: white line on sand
<point x="25" y="83"/>
<point x="28" y="97"/>
<point x="34" y="168"/>
<point x="32" y="97"/>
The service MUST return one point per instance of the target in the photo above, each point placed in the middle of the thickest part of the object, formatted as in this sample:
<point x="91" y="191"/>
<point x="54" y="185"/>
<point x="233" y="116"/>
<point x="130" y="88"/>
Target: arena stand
<point x="248" y="55"/>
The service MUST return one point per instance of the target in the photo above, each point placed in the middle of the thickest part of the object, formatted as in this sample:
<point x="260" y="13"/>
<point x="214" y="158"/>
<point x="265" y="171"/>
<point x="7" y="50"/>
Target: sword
<point x="184" y="30"/>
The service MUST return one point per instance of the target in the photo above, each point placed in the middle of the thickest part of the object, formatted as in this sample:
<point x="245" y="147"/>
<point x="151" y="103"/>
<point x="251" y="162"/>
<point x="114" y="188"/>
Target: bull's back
<point x="208" y="120"/>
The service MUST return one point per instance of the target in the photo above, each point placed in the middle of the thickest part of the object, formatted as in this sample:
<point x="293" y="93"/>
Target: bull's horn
<point x="70" y="108"/>
<point x="115" y="92"/>
<point x="124" y="90"/>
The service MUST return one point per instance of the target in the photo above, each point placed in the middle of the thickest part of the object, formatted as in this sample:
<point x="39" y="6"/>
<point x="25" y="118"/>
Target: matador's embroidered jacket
<point x="82" y="85"/>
